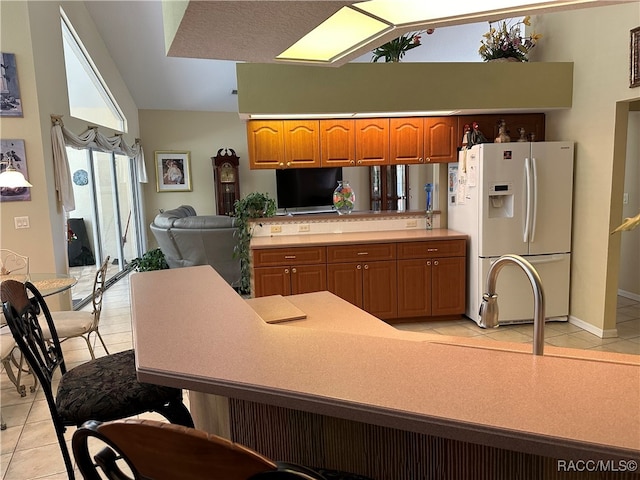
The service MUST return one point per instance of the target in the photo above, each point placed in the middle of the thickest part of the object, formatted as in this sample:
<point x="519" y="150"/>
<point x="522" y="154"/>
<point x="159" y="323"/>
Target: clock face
<point x="227" y="173"/>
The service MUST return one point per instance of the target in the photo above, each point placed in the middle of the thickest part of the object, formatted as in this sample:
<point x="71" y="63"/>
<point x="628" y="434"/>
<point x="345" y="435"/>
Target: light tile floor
<point x="28" y="447"/>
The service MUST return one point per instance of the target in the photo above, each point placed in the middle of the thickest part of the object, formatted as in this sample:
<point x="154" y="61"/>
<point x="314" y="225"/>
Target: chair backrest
<point x="21" y="313"/>
<point x="163" y="451"/>
<point x="12" y="262"/>
<point x="98" y="290"/>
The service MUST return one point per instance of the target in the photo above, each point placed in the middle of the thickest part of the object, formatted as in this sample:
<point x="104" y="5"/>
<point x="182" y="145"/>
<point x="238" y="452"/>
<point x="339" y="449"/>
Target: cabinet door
<point x="406" y="141"/>
<point x="301" y="143"/>
<point x="308" y="278"/>
<point x="414" y="288"/>
<point x="345" y="281"/>
<point x="271" y="281"/>
<point x="441" y="139"/>
<point x="265" y="140"/>
<point x="337" y="143"/>
<point x="448" y="286"/>
<point x="379" y="289"/>
<point x="372" y="141"/>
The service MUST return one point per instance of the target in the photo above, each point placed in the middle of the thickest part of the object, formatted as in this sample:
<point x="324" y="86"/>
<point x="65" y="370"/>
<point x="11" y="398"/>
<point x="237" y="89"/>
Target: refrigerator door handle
<point x="527" y="193"/>
<point x="534" y="195"/>
<point x="546" y="259"/>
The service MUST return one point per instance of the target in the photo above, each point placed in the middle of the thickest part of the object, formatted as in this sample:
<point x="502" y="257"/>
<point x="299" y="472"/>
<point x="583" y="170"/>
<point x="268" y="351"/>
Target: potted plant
<point x="151" y="260"/>
<point x="394" y="50"/>
<point x="255" y="205"/>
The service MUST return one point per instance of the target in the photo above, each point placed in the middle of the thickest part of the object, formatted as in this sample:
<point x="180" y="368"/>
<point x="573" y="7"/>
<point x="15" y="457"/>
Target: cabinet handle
<point x="290" y="257"/>
<point x="352" y="162"/>
<point x="436" y="262"/>
<point x="281" y="164"/>
<point x="421" y="160"/>
<point x="359" y="162"/>
<point x="428" y="159"/>
<point x="432" y="249"/>
<point x="366" y="267"/>
<point x="362" y="253"/>
<point x="286" y="270"/>
<point x="358" y="267"/>
<point x="429" y="262"/>
<point x="293" y="270"/>
<point x="288" y="164"/>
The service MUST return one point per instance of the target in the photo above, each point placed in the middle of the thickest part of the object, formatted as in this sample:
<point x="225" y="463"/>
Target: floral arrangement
<point x="506" y="41"/>
<point x="394" y="50"/>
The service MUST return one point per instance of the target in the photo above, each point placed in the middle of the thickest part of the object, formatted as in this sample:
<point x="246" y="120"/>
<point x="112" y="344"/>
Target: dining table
<point x="46" y="283"/>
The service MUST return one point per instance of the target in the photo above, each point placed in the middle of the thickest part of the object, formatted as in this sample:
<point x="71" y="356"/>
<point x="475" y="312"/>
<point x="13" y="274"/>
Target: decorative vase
<point x="344" y="198"/>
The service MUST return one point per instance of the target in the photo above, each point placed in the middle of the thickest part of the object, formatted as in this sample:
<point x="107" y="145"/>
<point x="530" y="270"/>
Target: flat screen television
<point x="300" y="189"/>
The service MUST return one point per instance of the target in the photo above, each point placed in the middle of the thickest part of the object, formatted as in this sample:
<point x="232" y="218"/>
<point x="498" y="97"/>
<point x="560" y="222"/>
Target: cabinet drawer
<point x="361" y="253"/>
<point x="435" y="248"/>
<point x="289" y="256"/>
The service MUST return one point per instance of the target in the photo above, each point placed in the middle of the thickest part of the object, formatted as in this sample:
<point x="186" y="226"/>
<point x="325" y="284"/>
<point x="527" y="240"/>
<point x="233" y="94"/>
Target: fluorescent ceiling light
<point x="407" y="12"/>
<point x="434" y="113"/>
<point x="287" y="116"/>
<point x="344" y="31"/>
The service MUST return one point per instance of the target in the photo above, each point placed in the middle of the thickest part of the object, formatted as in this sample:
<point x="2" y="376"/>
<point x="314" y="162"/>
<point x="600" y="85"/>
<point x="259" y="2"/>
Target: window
<point x="89" y="97"/>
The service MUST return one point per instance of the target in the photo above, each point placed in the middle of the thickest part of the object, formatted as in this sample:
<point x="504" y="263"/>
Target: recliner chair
<point x="188" y="239"/>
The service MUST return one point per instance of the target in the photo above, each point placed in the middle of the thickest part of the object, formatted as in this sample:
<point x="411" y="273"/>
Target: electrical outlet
<point x="412" y="223"/>
<point x="625" y="198"/>
<point x="21" y="222"/>
<point x="276" y="228"/>
<point x="303" y="228"/>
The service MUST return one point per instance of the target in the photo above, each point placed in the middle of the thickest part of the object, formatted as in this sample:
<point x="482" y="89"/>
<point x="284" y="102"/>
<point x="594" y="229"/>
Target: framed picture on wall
<point x="10" y="103"/>
<point x="13" y="151"/>
<point x="173" y="171"/>
<point x="634" y="64"/>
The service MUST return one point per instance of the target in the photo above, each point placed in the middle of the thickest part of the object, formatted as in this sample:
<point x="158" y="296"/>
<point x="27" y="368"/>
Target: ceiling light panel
<point x="347" y="28"/>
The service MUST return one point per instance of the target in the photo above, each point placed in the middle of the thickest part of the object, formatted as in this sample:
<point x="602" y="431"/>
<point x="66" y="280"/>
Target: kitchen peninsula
<point x="344" y="390"/>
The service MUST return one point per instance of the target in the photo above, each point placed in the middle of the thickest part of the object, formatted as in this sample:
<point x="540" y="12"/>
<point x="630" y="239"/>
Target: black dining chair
<point x="102" y="389"/>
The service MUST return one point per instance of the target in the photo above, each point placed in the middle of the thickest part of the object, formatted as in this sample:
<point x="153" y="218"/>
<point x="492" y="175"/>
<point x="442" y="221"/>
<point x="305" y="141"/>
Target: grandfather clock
<point x="225" y="173"/>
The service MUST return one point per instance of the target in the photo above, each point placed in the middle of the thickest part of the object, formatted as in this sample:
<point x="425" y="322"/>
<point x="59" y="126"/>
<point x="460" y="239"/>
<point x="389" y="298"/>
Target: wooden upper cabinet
<point x="301" y="143"/>
<point x="441" y="139"/>
<point x="265" y="139"/>
<point x="337" y="143"/>
<point x="533" y="124"/>
<point x="406" y="141"/>
<point x="372" y="141"/>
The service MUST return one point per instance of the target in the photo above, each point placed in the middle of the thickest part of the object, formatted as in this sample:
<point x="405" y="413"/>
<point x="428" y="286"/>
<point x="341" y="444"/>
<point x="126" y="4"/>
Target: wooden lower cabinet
<point x="431" y="278"/>
<point x="431" y="287"/>
<point x="389" y="280"/>
<point x="289" y="280"/>
<point x="367" y="285"/>
<point x="289" y="271"/>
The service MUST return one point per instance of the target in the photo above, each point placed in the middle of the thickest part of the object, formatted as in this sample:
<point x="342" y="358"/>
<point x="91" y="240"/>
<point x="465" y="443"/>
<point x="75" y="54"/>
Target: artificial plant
<point x="255" y="205"/>
<point x="151" y="260"/>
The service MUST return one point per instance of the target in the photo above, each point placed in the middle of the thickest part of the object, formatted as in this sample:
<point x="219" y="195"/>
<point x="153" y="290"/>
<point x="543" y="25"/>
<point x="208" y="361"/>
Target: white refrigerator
<point x="515" y="198"/>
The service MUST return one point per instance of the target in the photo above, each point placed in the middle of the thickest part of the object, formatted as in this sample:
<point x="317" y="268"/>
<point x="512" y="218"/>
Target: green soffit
<point x="404" y="87"/>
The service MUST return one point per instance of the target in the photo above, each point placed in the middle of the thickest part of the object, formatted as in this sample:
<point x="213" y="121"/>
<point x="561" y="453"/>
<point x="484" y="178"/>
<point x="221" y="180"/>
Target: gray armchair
<point x="187" y="239"/>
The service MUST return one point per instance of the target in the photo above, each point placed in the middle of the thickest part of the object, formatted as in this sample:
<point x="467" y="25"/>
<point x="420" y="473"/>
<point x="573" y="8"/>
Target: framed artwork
<point x="173" y="171"/>
<point x="634" y="66"/>
<point x="10" y="103"/>
<point x="13" y="150"/>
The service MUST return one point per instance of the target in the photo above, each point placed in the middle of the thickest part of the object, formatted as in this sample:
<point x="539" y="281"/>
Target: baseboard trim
<point x="631" y="295"/>
<point x="598" y="332"/>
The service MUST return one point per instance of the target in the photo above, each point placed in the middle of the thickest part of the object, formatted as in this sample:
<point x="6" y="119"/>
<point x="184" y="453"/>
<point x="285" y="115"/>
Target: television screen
<point x="306" y="187"/>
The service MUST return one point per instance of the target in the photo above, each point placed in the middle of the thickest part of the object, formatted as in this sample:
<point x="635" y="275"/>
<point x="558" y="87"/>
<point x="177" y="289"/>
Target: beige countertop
<point x="197" y="333"/>
<point x="339" y="238"/>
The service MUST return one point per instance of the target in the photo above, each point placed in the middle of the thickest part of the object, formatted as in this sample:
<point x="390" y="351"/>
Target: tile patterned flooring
<point x="28" y="447"/>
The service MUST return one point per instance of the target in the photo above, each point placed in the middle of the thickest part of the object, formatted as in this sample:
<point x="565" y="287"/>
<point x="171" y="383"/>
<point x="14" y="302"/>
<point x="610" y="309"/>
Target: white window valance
<point x="62" y="137"/>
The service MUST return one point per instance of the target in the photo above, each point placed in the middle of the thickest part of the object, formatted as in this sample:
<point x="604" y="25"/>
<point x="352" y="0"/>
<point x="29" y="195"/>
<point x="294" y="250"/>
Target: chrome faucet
<point x="489" y="306"/>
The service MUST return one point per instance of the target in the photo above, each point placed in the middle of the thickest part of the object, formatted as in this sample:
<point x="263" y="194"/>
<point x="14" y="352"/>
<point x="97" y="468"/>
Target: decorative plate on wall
<point x="80" y="177"/>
